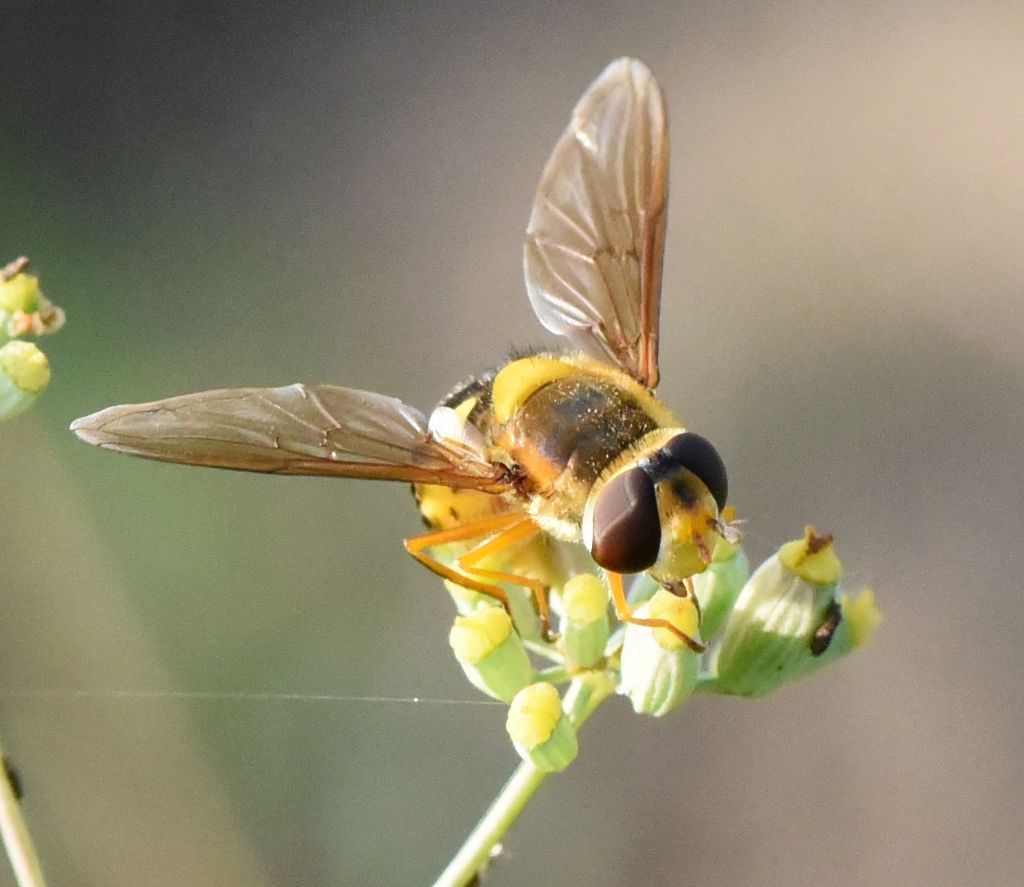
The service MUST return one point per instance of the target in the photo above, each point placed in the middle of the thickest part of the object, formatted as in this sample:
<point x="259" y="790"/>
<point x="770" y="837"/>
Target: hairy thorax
<point x="568" y="419"/>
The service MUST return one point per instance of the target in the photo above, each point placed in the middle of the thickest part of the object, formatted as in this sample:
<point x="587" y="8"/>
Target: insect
<point x="572" y="446"/>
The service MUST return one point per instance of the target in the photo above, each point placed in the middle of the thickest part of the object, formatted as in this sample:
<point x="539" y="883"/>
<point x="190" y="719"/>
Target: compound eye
<point x="626" y="524"/>
<point x="695" y="454"/>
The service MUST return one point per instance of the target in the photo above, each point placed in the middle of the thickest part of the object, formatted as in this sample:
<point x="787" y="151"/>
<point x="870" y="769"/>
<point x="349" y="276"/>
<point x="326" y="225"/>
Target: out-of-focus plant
<point x="24" y="312"/>
<point x="24" y="374"/>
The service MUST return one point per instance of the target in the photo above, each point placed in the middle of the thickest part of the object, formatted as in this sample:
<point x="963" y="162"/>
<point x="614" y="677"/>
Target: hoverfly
<point x="571" y="446"/>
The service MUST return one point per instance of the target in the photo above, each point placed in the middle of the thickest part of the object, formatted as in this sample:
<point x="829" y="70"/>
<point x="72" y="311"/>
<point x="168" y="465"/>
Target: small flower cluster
<point x="24" y="311"/>
<point x="761" y="630"/>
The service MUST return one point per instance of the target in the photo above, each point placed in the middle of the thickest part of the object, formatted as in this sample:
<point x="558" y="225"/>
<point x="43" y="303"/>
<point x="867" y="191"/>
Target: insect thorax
<point x="565" y="432"/>
<point x="561" y="420"/>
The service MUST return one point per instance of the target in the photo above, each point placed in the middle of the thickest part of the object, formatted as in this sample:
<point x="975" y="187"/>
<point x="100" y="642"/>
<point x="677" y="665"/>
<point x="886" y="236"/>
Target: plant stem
<point x="476" y="851"/>
<point x="582" y="698"/>
<point x="17" y="840"/>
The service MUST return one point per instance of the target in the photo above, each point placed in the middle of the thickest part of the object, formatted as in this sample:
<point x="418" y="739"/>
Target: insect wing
<point x="299" y="429"/>
<point x="596" y="236"/>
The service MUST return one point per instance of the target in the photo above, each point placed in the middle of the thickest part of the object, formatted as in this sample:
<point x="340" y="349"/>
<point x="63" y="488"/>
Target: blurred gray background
<point x="338" y="193"/>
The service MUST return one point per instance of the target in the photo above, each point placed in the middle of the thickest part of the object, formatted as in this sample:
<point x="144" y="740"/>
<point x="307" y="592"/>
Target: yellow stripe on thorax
<point x="520" y="379"/>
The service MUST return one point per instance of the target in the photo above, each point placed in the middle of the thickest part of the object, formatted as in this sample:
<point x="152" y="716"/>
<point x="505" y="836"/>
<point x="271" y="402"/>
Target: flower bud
<point x="24" y="310"/>
<point x="584" y="621"/>
<point x="19" y="292"/>
<point x="520" y="601"/>
<point x="491" y="654"/>
<point x="540" y="730"/>
<point x="658" y="669"/>
<point x="861" y="618"/>
<point x="790" y="619"/>
<point x="719" y="585"/>
<point x="24" y="373"/>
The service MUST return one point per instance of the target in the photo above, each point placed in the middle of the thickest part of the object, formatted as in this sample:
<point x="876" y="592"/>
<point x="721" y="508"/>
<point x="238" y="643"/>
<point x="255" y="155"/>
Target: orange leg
<point x="503" y="531"/>
<point x="626" y="615"/>
<point x="522" y="531"/>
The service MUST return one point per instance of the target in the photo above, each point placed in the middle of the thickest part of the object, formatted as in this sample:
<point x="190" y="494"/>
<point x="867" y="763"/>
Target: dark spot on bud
<point x="627" y="526"/>
<point x="823" y="636"/>
<point x="697" y="455"/>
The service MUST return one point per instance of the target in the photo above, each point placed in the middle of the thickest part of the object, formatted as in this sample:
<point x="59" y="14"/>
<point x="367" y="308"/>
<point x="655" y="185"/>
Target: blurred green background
<point x="338" y="193"/>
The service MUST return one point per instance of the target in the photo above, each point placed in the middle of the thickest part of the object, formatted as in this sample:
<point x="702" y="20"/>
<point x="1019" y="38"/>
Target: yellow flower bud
<point x="476" y="636"/>
<point x="679" y="612"/>
<point x="812" y="558"/>
<point x="585" y="599"/>
<point x="658" y="670"/>
<point x="491" y="654"/>
<point x="540" y="730"/>
<point x="25" y="365"/>
<point x="585" y="627"/>
<point x="19" y="293"/>
<point x="24" y="372"/>
<point x="520" y="602"/>
<point x="24" y="310"/>
<point x="862" y="616"/>
<point x="534" y="712"/>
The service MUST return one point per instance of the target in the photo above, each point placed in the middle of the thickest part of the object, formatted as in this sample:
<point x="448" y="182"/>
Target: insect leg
<point x="624" y="614"/>
<point x="417" y="546"/>
<point x="521" y="531"/>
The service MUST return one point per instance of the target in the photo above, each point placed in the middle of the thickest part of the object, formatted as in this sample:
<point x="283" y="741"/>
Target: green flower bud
<point x="541" y="732"/>
<point x="719" y="585"/>
<point x="584" y="624"/>
<point x="24" y="373"/>
<point x="658" y="670"/>
<point x="491" y="654"/>
<point x="790" y="619"/>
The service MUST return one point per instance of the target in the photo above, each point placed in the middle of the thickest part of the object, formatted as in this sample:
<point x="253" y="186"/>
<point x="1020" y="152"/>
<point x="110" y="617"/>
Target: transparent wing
<point x="299" y="429"/>
<point x="596" y="235"/>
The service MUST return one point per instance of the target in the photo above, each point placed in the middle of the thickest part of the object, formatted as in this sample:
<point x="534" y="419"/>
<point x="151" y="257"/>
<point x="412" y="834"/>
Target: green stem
<point x="17" y="840"/>
<point x="476" y="851"/>
<point x="544" y="649"/>
<point x="706" y="684"/>
<point x="557" y="674"/>
<point x="582" y="698"/>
